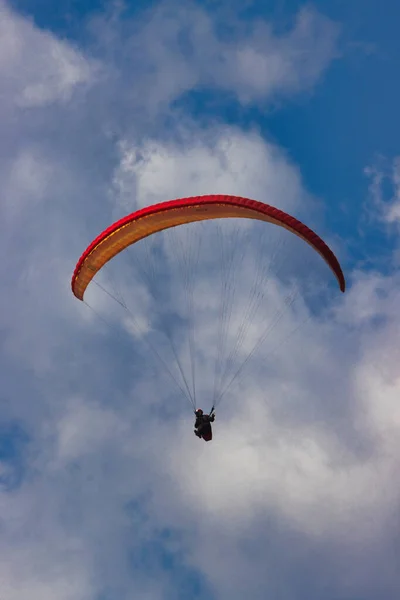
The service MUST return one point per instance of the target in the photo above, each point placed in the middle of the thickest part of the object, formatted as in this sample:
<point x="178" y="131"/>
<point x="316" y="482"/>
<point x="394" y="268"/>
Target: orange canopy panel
<point x="158" y="217"/>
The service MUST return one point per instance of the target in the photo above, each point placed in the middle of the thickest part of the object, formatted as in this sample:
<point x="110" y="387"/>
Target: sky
<point x="105" y="493"/>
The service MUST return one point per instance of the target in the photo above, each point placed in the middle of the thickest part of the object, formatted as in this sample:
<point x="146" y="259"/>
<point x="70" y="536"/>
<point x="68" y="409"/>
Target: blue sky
<point x="105" y="493"/>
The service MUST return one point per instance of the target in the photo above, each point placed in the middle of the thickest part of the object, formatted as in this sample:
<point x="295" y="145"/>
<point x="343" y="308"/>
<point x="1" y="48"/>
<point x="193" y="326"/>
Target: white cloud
<point x="267" y="65"/>
<point x="36" y="68"/>
<point x="84" y="428"/>
<point x="177" y="49"/>
<point x="221" y="161"/>
<point x="304" y="459"/>
<point x="372" y="296"/>
<point x="303" y="475"/>
<point x="385" y="189"/>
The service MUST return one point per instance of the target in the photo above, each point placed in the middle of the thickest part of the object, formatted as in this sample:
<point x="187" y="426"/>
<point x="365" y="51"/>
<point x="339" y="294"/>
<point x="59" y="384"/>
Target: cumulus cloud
<point x="384" y="189"/>
<point x="223" y="161"/>
<point x="36" y="68"/>
<point x="310" y="466"/>
<point x="267" y="64"/>
<point x="175" y="50"/>
<point x="117" y="496"/>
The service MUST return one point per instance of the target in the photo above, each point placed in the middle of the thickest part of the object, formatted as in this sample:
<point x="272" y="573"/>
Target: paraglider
<point x="144" y="224"/>
<point x="202" y="426"/>
<point x="149" y="220"/>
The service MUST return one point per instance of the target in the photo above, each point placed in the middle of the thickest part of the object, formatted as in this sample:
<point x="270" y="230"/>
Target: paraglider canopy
<point x="158" y="217"/>
<point x="228" y="349"/>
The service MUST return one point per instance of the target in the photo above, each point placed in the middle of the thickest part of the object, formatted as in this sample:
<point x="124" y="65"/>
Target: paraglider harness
<point x="203" y="424"/>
